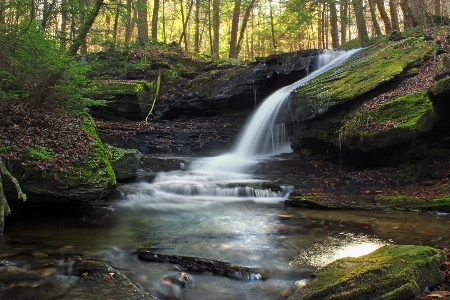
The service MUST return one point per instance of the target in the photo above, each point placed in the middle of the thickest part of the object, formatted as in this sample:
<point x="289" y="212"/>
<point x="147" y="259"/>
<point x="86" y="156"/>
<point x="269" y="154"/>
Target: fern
<point x="39" y="152"/>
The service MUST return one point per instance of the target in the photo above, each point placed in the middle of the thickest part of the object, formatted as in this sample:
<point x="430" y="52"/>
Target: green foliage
<point x="33" y="67"/>
<point x="39" y="152"/>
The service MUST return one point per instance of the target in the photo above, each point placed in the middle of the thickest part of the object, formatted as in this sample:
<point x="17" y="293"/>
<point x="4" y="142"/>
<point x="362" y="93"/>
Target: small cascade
<point x="227" y="176"/>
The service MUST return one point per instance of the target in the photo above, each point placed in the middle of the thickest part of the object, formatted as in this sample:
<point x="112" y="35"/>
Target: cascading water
<point x="226" y="176"/>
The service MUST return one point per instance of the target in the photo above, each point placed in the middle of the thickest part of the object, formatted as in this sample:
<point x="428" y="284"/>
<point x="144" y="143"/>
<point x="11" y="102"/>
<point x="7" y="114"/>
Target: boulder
<point x="393" y="272"/>
<point x="125" y="162"/>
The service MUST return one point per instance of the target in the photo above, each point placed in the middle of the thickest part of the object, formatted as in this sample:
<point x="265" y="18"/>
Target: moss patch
<point x="391" y="123"/>
<point x="391" y="272"/>
<point x="378" y="65"/>
<point x="442" y="86"/>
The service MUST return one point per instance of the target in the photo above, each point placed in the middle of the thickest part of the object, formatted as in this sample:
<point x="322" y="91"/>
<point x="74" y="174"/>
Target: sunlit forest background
<point x="218" y="28"/>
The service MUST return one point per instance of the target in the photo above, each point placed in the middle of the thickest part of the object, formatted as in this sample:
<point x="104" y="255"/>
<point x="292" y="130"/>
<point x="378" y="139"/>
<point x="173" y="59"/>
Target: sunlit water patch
<point x="337" y="246"/>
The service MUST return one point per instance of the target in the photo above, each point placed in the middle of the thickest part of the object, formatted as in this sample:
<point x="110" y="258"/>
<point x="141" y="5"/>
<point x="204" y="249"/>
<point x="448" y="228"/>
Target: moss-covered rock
<point x="124" y="162"/>
<point x="370" y="202"/>
<point x="391" y="123"/>
<point x="376" y="66"/>
<point x="390" y="273"/>
<point x="441" y="87"/>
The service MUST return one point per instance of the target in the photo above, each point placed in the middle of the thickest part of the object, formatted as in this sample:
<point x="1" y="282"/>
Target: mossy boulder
<point x="372" y="68"/>
<point x="393" y="272"/>
<point x="125" y="162"/>
<point x="441" y="87"/>
<point x="391" y="123"/>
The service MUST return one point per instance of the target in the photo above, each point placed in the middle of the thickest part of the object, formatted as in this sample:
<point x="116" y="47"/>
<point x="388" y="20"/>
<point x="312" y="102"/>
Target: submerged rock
<point x="391" y="272"/>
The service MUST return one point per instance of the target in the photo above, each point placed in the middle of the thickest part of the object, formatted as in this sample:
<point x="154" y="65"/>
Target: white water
<point x="265" y="135"/>
<point x="226" y="177"/>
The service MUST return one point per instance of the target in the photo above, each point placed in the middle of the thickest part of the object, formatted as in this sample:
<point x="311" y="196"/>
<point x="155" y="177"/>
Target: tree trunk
<point x="128" y="24"/>
<point x="272" y="29"/>
<point x="420" y="13"/>
<point x="334" y="25"/>
<point x="155" y="19"/>
<point x="360" y="23"/>
<point x="183" y="33"/>
<point x="234" y="29"/>
<point x="216" y="28"/>
<point x="373" y="14"/>
<point x="64" y="22"/>
<point x="85" y="27"/>
<point x="164" y="21"/>
<point x="394" y="14"/>
<point x="142" y="21"/>
<point x="405" y="6"/>
<point x="247" y="14"/>
<point x="343" y="9"/>
<point x="197" y="27"/>
<point x="385" y="17"/>
<point x="116" y="22"/>
<point x="437" y="7"/>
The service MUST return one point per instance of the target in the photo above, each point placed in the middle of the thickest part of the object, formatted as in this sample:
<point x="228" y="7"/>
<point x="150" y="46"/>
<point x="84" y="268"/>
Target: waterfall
<point x="260" y="138"/>
<point x="226" y="177"/>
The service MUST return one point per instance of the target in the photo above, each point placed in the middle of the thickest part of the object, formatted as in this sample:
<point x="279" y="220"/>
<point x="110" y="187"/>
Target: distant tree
<point x="393" y="7"/>
<point x="384" y="17"/>
<point x="142" y="21"/>
<point x="216" y="28"/>
<point x="343" y="13"/>
<point x="373" y="14"/>
<point x="334" y="24"/>
<point x="155" y="19"/>
<point x="360" y="23"/>
<point x="234" y="29"/>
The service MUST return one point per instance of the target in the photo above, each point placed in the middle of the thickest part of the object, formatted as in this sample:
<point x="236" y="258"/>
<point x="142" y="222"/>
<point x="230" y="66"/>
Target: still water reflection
<point x="284" y="243"/>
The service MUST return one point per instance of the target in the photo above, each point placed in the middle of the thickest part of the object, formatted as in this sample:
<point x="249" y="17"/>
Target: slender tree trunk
<point x="116" y="22"/>
<point x="334" y="25"/>
<point x="142" y="21"/>
<point x="47" y="13"/>
<point x="128" y="22"/>
<point x="437" y="7"/>
<point x="319" y="33"/>
<point x="64" y="21"/>
<point x="155" y="19"/>
<point x="164" y="21"/>
<point x="216" y="28"/>
<point x="384" y="16"/>
<point x="405" y="6"/>
<point x="343" y="8"/>
<point x="322" y="24"/>
<point x="197" y="27"/>
<point x="234" y="29"/>
<point x="373" y="14"/>
<point x="183" y="33"/>
<point x="272" y="29"/>
<point x="210" y="29"/>
<point x="419" y="13"/>
<point x="2" y="11"/>
<point x="85" y="27"/>
<point x="393" y="7"/>
<point x="360" y="23"/>
<point x="247" y="14"/>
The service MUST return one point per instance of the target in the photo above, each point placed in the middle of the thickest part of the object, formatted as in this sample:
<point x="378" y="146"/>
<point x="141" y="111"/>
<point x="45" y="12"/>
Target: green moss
<point x="113" y="153"/>
<point x="97" y="169"/>
<point x="411" y="202"/>
<point x="377" y="65"/>
<point x="391" y="272"/>
<point x="442" y="86"/>
<point x="390" y="123"/>
<point x="118" y="87"/>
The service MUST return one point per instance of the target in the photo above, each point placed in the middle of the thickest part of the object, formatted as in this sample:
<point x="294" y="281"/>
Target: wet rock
<point x="391" y="272"/>
<point x="203" y="265"/>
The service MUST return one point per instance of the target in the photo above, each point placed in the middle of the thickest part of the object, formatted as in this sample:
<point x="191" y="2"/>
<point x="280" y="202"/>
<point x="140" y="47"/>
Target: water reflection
<point x="266" y="236"/>
<point x="337" y="246"/>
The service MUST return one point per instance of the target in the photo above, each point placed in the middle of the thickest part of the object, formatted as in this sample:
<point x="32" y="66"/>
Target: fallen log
<point x="203" y="265"/>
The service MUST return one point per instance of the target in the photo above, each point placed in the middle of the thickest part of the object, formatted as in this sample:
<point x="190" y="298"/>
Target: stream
<point x="264" y="235"/>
